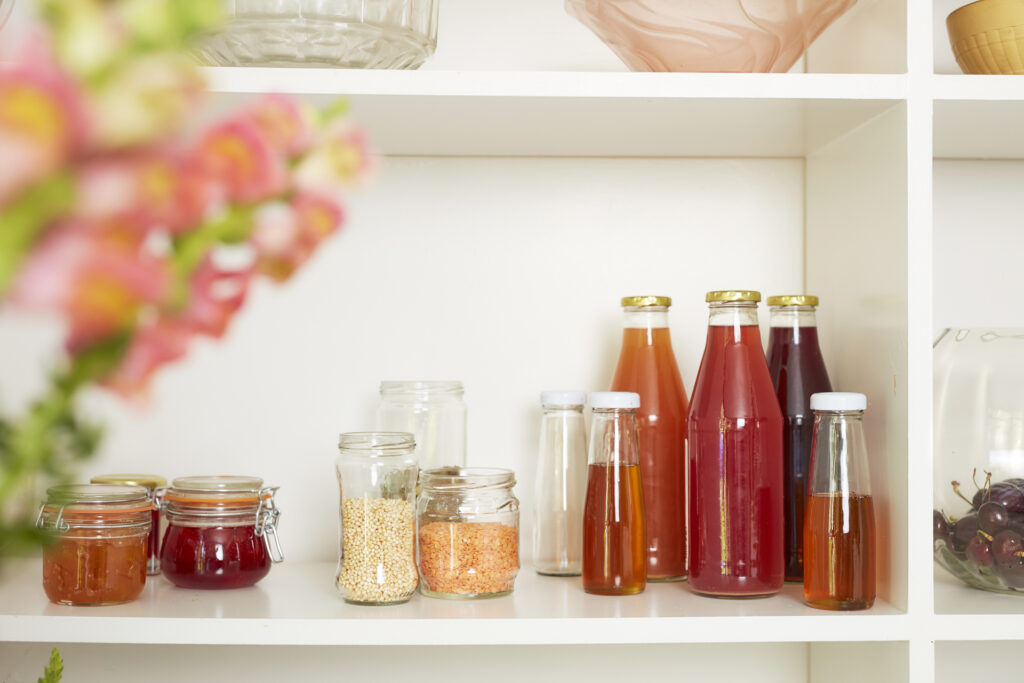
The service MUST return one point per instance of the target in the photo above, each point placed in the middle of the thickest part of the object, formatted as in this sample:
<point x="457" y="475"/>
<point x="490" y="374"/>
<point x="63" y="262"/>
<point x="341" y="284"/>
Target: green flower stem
<point x="25" y="218"/>
<point x="51" y="436"/>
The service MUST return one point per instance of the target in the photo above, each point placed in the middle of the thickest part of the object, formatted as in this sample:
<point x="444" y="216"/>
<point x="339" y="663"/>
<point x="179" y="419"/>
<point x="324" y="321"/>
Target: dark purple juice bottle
<point x="797" y="370"/>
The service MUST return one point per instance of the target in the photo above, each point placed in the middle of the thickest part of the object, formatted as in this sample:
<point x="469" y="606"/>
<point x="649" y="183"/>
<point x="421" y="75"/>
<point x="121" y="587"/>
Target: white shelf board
<point x="965" y="613"/>
<point x="353" y="82"/>
<point x="297" y="604"/>
<point x="972" y="87"/>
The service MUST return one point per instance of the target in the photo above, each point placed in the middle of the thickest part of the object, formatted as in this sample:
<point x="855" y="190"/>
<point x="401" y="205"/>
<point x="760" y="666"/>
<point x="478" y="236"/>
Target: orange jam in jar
<point x="99" y="536"/>
<point x="152" y="482"/>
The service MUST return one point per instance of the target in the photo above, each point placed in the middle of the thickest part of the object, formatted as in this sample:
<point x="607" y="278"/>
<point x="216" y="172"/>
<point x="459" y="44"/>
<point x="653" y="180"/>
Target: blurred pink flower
<point x="153" y="345"/>
<point x="340" y="158"/>
<point x="238" y="157"/>
<point x="285" y="236"/>
<point x="285" y="122"/>
<point x="217" y="292"/>
<point x="42" y="120"/>
<point x="155" y="188"/>
<point x="99" y="275"/>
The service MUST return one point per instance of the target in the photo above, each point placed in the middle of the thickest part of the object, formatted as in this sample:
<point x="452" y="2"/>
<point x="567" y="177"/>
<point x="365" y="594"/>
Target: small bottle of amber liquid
<point x="839" y="521"/>
<point x="614" y="524"/>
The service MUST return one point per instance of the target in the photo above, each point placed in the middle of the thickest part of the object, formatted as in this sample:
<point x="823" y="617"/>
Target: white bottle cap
<point x="614" y="399"/>
<point x="563" y="398"/>
<point x="838" y="400"/>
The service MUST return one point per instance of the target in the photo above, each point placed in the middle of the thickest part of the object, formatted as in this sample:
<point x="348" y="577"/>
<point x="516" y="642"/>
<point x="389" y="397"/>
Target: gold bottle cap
<point x="150" y="481"/>
<point x="793" y="300"/>
<point x="732" y="295"/>
<point x="638" y="301"/>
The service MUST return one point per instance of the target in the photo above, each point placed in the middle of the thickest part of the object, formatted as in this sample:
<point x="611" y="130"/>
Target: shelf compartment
<point x="297" y="604"/>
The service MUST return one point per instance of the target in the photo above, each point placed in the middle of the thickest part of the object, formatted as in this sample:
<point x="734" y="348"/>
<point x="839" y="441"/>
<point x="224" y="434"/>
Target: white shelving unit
<point x="528" y="182"/>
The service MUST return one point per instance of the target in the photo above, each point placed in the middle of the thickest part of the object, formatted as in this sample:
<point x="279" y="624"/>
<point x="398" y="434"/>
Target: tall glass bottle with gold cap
<point x="647" y="366"/>
<point x="798" y="370"/>
<point x="735" y="458"/>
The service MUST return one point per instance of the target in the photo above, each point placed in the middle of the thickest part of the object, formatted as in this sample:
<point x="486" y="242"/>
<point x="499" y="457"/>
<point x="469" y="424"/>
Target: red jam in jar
<point x="221" y="532"/>
<point x="150" y="482"/>
<point x="96" y="554"/>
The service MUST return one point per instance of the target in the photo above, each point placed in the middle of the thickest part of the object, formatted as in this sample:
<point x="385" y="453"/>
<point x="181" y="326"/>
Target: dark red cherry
<point x="979" y="553"/>
<point x="940" y="526"/>
<point x="993" y="517"/>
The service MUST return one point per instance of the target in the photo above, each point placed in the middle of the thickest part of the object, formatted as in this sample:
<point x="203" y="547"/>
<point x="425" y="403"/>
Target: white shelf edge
<point x="986" y="88"/>
<point x="544" y="631"/>
<point x="354" y="82"/>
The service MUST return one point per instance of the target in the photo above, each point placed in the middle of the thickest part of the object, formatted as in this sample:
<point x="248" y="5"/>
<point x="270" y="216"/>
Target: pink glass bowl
<point x="708" y="35"/>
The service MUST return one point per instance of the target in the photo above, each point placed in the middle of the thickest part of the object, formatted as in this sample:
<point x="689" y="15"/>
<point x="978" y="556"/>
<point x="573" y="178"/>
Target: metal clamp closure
<point x="60" y="524"/>
<point x="267" y="515"/>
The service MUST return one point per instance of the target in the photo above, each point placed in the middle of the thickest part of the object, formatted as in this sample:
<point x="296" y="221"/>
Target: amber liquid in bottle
<point x="614" y="538"/>
<point x="839" y="551"/>
<point x="648" y="367"/>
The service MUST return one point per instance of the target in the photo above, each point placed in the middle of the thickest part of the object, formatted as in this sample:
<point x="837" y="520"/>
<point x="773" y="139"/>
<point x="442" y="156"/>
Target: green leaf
<point x="55" y="669"/>
<point x="24" y="219"/>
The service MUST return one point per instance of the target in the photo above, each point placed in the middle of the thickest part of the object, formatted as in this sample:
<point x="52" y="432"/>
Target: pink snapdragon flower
<point x="99" y="275"/>
<point x="158" y="189"/>
<point x="238" y="157"/>
<point x="217" y="292"/>
<point x="42" y="120"/>
<point x="154" y="345"/>
<point x="285" y="236"/>
<point x="285" y="122"/>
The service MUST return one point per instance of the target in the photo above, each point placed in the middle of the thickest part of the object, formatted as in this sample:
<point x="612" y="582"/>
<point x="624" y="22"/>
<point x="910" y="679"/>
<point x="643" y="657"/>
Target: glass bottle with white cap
<point x="839" y="523"/>
<point x="560" y="485"/>
<point x="614" y="523"/>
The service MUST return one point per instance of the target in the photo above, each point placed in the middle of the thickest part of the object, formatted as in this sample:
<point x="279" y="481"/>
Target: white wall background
<point x="504" y="273"/>
<point x="978" y="243"/>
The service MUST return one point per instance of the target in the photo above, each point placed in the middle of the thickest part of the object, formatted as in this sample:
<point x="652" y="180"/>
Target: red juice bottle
<point x="648" y="367"/>
<point x="798" y="370"/>
<point x="735" y="458"/>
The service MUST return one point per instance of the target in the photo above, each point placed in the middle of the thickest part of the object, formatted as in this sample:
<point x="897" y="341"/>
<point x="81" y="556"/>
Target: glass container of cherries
<point x="984" y="548"/>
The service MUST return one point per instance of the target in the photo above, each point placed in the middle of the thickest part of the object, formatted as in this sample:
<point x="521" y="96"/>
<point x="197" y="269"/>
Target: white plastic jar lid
<point x="614" y="399"/>
<point x="838" y="400"/>
<point x="563" y="398"/>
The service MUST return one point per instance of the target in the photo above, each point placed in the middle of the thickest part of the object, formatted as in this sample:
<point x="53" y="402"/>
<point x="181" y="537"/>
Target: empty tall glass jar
<point x="433" y="412"/>
<point x="561" y="484"/>
<point x="352" y="34"/>
<point x="377" y="481"/>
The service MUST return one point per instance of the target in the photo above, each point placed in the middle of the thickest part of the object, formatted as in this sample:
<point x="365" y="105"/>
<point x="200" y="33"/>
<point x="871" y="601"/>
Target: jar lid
<point x="94" y="506"/>
<point x="218" y="490"/>
<point x="377" y="444"/>
<point x="838" y="401"/>
<point x="643" y="301"/>
<point x="464" y="478"/>
<point x="793" y="300"/>
<point x="563" y="398"/>
<point x="150" y="481"/>
<point x="95" y="494"/>
<point x="614" y="400"/>
<point x="421" y="388"/>
<point x="732" y="295"/>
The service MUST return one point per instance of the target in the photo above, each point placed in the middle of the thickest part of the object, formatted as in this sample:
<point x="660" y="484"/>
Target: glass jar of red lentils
<point x="97" y="539"/>
<point x="467" y="521"/>
<point x="150" y="482"/>
<point x="221" y="531"/>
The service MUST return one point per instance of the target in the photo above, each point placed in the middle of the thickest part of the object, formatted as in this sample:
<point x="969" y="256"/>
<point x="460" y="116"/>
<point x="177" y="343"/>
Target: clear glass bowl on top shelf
<point x="979" y="457"/>
<point x="351" y="34"/>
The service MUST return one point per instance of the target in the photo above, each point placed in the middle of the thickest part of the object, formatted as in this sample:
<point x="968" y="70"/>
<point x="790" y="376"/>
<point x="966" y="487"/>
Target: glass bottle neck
<point x="793" y="316"/>
<point x="613" y="437"/>
<point x="645" y="317"/>
<point x="732" y="314"/>
<point x="574" y="410"/>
